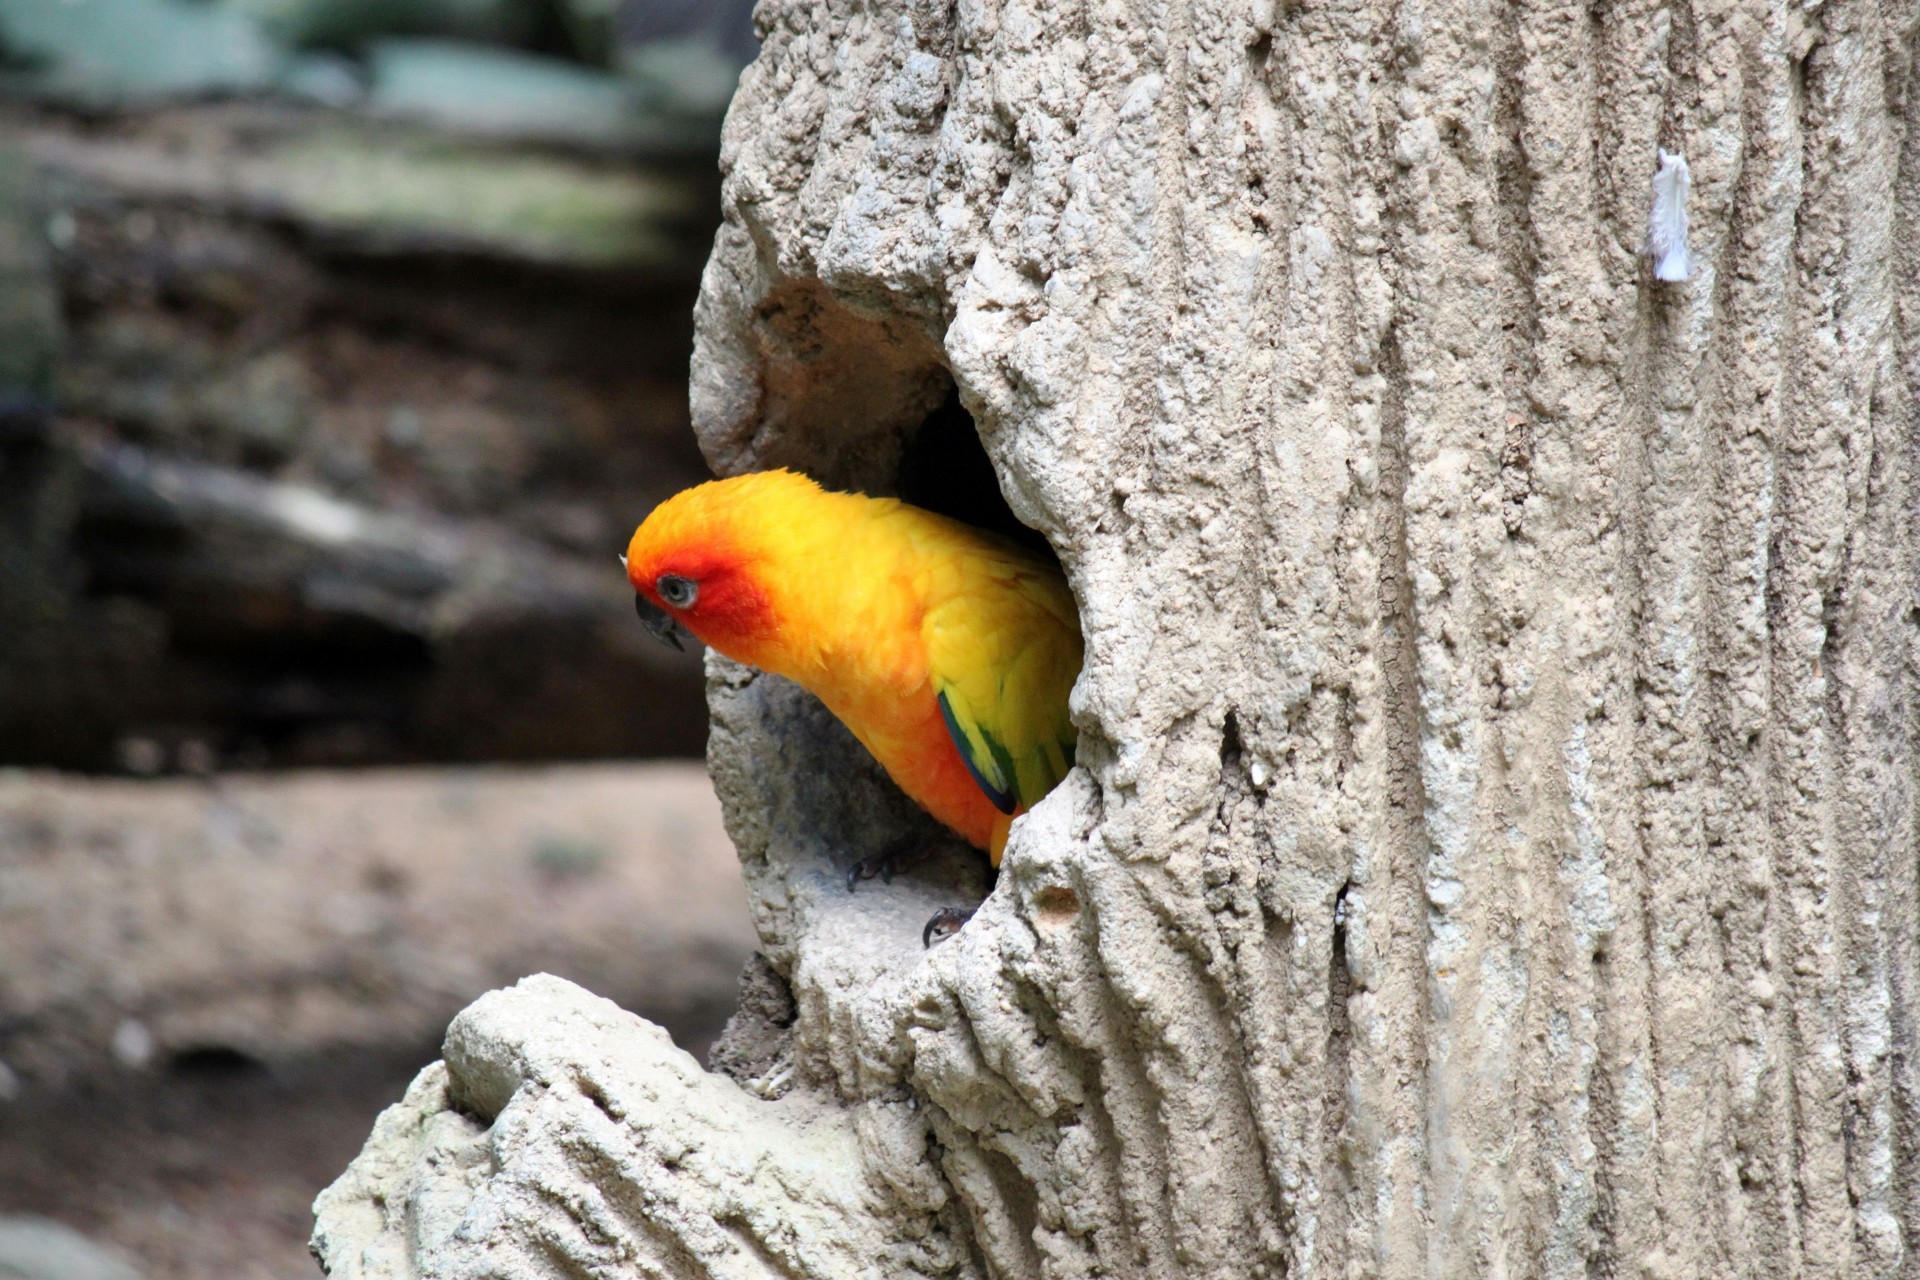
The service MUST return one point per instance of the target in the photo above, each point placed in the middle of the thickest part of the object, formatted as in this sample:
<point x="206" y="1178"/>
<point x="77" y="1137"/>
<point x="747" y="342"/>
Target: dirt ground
<point x="203" y="1172"/>
<point x="207" y="1170"/>
<point x="210" y="987"/>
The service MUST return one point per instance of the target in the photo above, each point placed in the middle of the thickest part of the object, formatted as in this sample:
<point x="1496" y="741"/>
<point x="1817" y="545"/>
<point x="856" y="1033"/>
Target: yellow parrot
<point x="948" y="651"/>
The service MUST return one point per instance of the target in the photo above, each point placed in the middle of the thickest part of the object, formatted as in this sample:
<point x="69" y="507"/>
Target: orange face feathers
<point x="725" y="539"/>
<point x="729" y="606"/>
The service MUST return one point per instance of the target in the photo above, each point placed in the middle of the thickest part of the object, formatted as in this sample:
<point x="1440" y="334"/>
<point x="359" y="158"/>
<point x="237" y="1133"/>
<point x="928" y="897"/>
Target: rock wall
<point x="1493" y="850"/>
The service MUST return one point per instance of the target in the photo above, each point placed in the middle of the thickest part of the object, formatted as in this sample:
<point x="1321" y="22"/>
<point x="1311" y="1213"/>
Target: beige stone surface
<point x="282" y="916"/>
<point x="478" y="1164"/>
<point x="1493" y="851"/>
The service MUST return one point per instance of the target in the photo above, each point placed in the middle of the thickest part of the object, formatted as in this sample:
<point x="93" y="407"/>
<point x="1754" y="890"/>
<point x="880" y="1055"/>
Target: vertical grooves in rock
<point x="1755" y="274"/>
<point x="1901" y="458"/>
<point x="1132" y="1099"/>
<point x="1386" y="910"/>
<point x="1832" y="395"/>
<point x="1335" y="1181"/>
<point x="1665" y="569"/>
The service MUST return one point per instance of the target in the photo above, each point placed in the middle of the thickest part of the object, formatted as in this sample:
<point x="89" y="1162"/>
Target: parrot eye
<point x="677" y="591"/>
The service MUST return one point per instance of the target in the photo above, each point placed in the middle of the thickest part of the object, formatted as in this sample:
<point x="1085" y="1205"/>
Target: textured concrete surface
<point x="1493" y="851"/>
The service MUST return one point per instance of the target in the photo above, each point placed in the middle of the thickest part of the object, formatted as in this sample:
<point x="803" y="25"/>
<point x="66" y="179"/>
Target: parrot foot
<point x="945" y="923"/>
<point x="897" y="857"/>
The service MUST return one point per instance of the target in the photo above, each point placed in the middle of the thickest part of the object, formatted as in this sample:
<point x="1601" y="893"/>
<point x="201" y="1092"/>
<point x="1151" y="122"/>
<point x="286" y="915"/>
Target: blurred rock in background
<point x="342" y="344"/>
<point x="270" y="917"/>
<point x="339" y="354"/>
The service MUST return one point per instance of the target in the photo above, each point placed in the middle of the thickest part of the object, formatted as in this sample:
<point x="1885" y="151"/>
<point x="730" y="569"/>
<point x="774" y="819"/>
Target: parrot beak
<point x="659" y="621"/>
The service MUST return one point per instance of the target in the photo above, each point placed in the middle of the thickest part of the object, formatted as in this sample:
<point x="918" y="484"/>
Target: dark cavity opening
<point x="945" y="468"/>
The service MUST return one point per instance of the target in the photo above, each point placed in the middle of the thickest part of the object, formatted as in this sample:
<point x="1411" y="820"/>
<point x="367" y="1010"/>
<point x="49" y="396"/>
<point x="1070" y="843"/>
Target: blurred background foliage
<point x="596" y="72"/>
<point x="342" y="344"/>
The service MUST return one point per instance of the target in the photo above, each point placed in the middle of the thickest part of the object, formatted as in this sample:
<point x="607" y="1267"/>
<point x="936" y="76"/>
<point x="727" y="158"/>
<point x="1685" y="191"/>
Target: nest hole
<point x="855" y="402"/>
<point x="945" y="468"/>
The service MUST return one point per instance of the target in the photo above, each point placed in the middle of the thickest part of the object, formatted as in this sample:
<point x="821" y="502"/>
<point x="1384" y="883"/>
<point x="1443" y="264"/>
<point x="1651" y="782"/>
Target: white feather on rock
<point x="1667" y="224"/>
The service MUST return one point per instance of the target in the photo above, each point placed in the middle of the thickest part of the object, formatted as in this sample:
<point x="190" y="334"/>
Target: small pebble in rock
<point x="142" y="756"/>
<point x="404" y="427"/>
<point x="196" y="757"/>
<point x="132" y="1044"/>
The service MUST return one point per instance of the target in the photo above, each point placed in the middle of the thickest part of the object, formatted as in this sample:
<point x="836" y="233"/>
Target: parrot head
<point x="708" y="559"/>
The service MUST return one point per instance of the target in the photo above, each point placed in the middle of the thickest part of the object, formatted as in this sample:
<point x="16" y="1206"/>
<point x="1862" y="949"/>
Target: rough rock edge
<point x="477" y="1170"/>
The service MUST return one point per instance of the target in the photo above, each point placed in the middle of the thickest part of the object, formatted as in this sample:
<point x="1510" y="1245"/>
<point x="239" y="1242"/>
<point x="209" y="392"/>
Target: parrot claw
<point x="897" y="858"/>
<point x="945" y="923"/>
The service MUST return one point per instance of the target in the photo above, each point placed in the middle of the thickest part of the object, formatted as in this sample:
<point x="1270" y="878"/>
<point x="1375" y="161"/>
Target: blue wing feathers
<point x="1002" y="798"/>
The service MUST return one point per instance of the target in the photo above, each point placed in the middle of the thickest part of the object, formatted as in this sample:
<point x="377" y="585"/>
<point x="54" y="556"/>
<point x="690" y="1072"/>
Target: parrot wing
<point x="1003" y="648"/>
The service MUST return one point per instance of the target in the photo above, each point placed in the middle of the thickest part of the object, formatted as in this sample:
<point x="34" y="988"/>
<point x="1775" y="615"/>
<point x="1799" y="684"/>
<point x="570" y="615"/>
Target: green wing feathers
<point x="1003" y="648"/>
